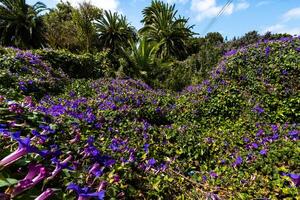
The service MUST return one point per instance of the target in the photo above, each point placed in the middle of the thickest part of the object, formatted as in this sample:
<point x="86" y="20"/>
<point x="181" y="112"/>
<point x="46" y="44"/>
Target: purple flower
<point x="146" y="147"/>
<point x="45" y="195"/>
<point x="238" y="161"/>
<point x="23" y="149"/>
<point x="274" y="128"/>
<point x="84" y="193"/>
<point x="96" y="170"/>
<point x="254" y="145"/>
<point x="56" y="110"/>
<point x="223" y="161"/>
<point x="36" y="174"/>
<point x="91" y="140"/>
<point x="284" y="72"/>
<point x="15" y="108"/>
<point x="4" y="130"/>
<point x="117" y="178"/>
<point x="213" y="174"/>
<point x="117" y="144"/>
<point x="258" y="109"/>
<point x="294" y="133"/>
<point x="209" y="90"/>
<point x="246" y="140"/>
<point x="263" y="152"/>
<point x="260" y="132"/>
<point x="151" y="162"/>
<point x="60" y="166"/>
<point x="268" y="49"/>
<point x="42" y="138"/>
<point x="230" y="53"/>
<point x="206" y="82"/>
<point x="296" y="179"/>
<point x="275" y="136"/>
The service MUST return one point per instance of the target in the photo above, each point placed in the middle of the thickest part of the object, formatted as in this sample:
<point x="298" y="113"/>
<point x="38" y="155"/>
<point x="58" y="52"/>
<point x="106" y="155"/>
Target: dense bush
<point x="23" y="72"/>
<point x="234" y="136"/>
<point x="79" y="65"/>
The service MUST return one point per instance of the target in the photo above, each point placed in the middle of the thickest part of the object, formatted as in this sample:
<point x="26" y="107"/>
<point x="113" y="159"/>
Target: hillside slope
<point x="236" y="135"/>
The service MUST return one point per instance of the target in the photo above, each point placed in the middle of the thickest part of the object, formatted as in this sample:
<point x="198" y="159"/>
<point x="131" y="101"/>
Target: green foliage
<point x="83" y="18"/>
<point x="234" y="136"/>
<point x="115" y="33"/>
<point x="21" y="24"/>
<point x="79" y="65"/>
<point x="61" y="30"/>
<point x="251" y="37"/>
<point x="206" y="53"/>
<point x="142" y="59"/>
<point x="162" y="26"/>
<point x="23" y="72"/>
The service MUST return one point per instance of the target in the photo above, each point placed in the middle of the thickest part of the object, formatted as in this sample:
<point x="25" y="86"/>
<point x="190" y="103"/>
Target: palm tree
<point x="162" y="26"/>
<point x="143" y="61"/>
<point x="142" y="57"/>
<point x="21" y="25"/>
<point x="115" y="33"/>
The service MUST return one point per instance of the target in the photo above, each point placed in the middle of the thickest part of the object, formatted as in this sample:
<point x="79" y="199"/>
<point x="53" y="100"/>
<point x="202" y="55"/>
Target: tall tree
<point x="162" y="25"/>
<point x="61" y="30"/>
<point x="115" y="33"/>
<point x="21" y="25"/>
<point x="84" y="18"/>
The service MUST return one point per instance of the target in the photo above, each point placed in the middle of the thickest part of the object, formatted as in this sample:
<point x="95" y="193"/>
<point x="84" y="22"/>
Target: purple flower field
<point x="234" y="136"/>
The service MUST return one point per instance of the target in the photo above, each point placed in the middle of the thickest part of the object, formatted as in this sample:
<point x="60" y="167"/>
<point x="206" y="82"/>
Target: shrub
<point x="79" y="65"/>
<point x="234" y="136"/>
<point x="26" y="73"/>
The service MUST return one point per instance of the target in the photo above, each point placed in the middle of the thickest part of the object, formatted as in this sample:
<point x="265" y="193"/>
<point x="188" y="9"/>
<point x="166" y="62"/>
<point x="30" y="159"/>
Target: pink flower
<point x="23" y="149"/>
<point x="60" y="166"/>
<point x="45" y="195"/>
<point x="36" y="174"/>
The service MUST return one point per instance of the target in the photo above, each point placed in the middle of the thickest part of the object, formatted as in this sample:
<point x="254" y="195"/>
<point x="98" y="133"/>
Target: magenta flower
<point x="76" y="138"/>
<point x="213" y="174"/>
<point x="296" y="179"/>
<point x="36" y="174"/>
<point x="60" y="166"/>
<point x="15" y="108"/>
<point x="23" y="149"/>
<point x="45" y="195"/>
<point x="96" y="170"/>
<point x="117" y="178"/>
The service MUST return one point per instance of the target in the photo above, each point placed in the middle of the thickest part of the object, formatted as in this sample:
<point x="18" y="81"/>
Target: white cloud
<point x="282" y="25"/>
<point x="210" y="8"/>
<point x="177" y="1"/>
<point x="291" y="14"/>
<point x="282" y="28"/>
<point x="262" y="3"/>
<point x="242" y="5"/>
<point x="112" y="5"/>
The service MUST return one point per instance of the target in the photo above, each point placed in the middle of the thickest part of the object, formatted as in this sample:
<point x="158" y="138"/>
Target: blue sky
<point x="240" y="17"/>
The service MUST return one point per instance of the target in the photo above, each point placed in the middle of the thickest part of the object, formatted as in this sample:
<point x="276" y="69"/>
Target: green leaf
<point x="7" y="182"/>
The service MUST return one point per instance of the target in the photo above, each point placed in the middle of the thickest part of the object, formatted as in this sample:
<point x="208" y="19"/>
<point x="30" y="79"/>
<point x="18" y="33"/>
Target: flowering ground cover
<point x="234" y="136"/>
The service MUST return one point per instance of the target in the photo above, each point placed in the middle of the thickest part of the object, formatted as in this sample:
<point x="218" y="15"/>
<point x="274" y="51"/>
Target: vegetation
<point x="108" y="112"/>
<point x="162" y="26"/>
<point x="21" y="24"/>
